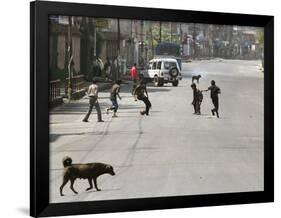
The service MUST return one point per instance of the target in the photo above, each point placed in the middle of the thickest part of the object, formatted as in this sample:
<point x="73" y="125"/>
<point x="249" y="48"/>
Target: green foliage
<point x="61" y="74"/>
<point x="165" y="37"/>
<point x="100" y="42"/>
<point x="57" y="73"/>
<point x="165" y="34"/>
<point x="90" y="34"/>
<point x="260" y="36"/>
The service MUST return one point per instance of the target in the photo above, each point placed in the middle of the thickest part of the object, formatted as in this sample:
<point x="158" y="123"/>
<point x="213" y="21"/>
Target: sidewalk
<point x="67" y="117"/>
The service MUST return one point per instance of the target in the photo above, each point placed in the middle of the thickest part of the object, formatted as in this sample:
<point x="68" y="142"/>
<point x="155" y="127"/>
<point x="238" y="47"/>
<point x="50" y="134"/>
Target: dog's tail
<point x="66" y="161"/>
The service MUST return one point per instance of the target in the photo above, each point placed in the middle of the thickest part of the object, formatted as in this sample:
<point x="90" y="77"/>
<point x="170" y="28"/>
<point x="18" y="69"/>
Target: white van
<point x="163" y="70"/>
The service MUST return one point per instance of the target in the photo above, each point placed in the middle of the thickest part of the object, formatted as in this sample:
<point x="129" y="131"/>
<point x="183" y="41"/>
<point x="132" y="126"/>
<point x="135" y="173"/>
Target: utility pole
<point x="180" y="34"/>
<point x="118" y="37"/>
<point x="136" y="45"/>
<point x="70" y="57"/>
<point x="95" y="38"/>
<point x="160" y="32"/>
<point x="171" y="33"/>
<point x="194" y="41"/>
<point x="131" y="28"/>
<point x="141" y="39"/>
<point x="152" y="39"/>
<point x="130" y="54"/>
<point x="118" y="48"/>
<point x="181" y="42"/>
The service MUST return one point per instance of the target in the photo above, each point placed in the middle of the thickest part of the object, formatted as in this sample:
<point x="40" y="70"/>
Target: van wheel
<point x="175" y="83"/>
<point x="160" y="83"/>
<point x="155" y="80"/>
<point x="174" y="72"/>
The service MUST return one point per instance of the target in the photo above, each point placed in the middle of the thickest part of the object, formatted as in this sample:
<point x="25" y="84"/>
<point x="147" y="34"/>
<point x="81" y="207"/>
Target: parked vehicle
<point x="162" y="70"/>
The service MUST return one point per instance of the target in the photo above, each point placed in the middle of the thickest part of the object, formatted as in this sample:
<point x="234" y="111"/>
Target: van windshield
<point x="159" y="65"/>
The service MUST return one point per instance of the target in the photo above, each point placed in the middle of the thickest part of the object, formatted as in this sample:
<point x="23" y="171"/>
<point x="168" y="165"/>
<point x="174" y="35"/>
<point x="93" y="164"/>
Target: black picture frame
<point x="39" y="119"/>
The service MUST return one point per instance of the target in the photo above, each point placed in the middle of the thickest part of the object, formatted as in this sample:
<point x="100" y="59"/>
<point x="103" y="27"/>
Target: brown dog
<point x="90" y="171"/>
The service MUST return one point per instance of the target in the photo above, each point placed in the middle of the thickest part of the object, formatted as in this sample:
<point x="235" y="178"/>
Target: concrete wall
<point x="76" y="52"/>
<point x="61" y="51"/>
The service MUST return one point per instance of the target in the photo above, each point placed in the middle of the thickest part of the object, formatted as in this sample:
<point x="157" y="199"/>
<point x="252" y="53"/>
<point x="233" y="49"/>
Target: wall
<point x="61" y="51"/>
<point x="76" y="52"/>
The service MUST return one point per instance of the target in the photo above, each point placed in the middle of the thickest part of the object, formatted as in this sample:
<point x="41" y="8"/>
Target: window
<point x="168" y="65"/>
<point x="173" y="64"/>
<point x="159" y="65"/>
<point x="153" y="65"/>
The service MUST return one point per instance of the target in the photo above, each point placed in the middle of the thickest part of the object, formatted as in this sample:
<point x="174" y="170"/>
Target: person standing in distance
<point x="134" y="76"/>
<point x="114" y="92"/>
<point x="215" y="91"/>
<point x="93" y="101"/>
<point x="197" y="99"/>
<point x="107" y="69"/>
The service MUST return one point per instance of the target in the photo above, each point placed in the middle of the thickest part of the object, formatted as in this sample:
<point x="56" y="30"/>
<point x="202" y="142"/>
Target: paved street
<point x="171" y="152"/>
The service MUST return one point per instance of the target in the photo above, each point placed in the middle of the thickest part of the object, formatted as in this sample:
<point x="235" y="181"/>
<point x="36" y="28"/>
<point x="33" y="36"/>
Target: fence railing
<point x="54" y="90"/>
<point x="58" y="89"/>
<point x="77" y="83"/>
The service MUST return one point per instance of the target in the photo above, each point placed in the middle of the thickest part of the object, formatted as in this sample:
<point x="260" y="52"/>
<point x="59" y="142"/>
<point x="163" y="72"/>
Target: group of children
<point x="140" y="93"/>
<point x="198" y="98"/>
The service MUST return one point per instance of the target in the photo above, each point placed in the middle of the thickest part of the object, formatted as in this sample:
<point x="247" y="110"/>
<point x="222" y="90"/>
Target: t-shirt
<point x="114" y="91"/>
<point x="134" y="73"/>
<point x="139" y="91"/>
<point x="215" y="90"/>
<point x="197" y="95"/>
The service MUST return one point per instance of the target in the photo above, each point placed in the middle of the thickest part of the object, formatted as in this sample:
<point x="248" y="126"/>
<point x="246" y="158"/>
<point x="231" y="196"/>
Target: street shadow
<point x="104" y="190"/>
<point x="133" y="116"/>
<point x="23" y="210"/>
<point x="120" y="111"/>
<point x="152" y="111"/>
<point x="54" y="137"/>
<point x="68" y="112"/>
<point x="207" y="116"/>
<point x="76" y="108"/>
<point x="158" y="89"/>
<point x="69" y="150"/>
<point x="129" y="112"/>
<point x="150" y="88"/>
<point x="134" y="112"/>
<point x="130" y="107"/>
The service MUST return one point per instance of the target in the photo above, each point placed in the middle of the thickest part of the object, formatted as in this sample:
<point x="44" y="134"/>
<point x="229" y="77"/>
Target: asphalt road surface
<point x="171" y="152"/>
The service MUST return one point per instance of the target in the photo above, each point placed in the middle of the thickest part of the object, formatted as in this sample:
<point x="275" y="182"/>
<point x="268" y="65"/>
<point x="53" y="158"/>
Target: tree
<point x="260" y="36"/>
<point x="260" y="41"/>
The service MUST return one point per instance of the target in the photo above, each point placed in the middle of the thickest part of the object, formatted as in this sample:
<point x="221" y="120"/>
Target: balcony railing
<point x="54" y="90"/>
